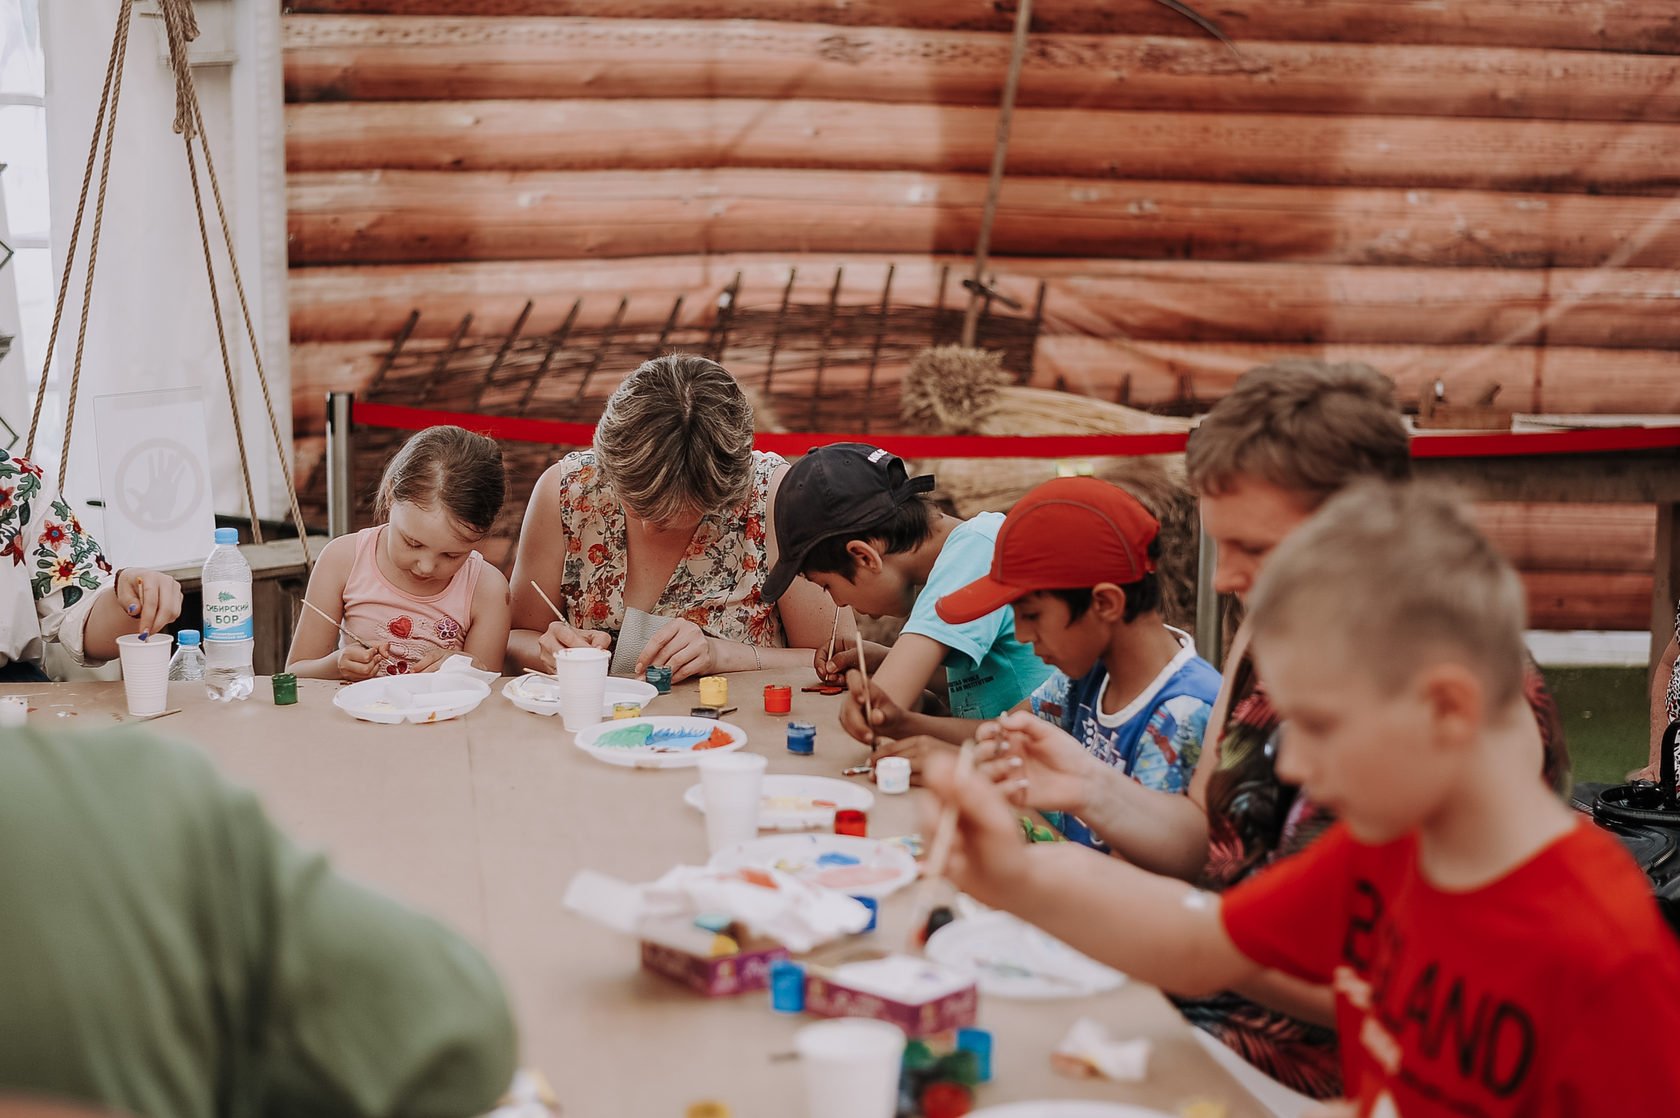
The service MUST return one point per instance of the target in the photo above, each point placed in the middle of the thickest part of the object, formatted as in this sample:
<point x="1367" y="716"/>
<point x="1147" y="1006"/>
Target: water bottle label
<point x="227" y="611"/>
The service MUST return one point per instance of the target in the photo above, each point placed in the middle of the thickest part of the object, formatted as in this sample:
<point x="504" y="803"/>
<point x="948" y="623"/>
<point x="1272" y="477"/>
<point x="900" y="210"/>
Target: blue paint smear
<point x="673" y="740"/>
<point x="831" y="859"/>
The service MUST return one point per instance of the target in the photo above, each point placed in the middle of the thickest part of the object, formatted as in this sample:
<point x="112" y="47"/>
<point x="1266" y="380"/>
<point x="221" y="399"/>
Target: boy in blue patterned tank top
<point x="1075" y="560"/>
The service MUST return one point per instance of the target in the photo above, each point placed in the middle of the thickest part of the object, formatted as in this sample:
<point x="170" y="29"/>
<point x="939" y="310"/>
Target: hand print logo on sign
<point x="159" y="484"/>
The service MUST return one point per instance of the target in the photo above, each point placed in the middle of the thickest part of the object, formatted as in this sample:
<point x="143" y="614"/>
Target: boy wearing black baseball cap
<point x="1075" y="561"/>
<point x="851" y="519"/>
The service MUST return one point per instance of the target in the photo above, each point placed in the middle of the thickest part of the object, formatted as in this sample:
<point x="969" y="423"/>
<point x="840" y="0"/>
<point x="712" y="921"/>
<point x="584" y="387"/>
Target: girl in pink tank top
<point x="412" y="591"/>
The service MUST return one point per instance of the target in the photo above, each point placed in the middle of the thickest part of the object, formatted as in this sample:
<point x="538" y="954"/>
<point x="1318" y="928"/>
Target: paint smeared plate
<point x="1067" y="1108"/>
<point x="798" y="803"/>
<point x="1010" y="958"/>
<point x="658" y="742"/>
<point x="862" y="867"/>
<point x="422" y="697"/>
<point x="539" y="694"/>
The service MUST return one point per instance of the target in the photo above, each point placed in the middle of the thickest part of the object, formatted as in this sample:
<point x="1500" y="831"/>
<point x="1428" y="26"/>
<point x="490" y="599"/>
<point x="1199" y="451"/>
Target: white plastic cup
<point x="851" y="1067"/>
<point x="582" y="676"/>
<point x="733" y="786"/>
<point x="145" y="671"/>
<point x="14" y="711"/>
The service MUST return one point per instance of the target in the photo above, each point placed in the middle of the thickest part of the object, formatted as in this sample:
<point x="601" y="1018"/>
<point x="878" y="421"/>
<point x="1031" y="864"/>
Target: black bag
<point x="1646" y="817"/>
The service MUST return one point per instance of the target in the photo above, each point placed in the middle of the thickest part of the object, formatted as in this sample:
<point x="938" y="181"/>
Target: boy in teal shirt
<point x="849" y="518"/>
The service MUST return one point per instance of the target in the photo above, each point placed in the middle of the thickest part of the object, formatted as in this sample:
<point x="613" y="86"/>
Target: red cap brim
<point x="976" y="600"/>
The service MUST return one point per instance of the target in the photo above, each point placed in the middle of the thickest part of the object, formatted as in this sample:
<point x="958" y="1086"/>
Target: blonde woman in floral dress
<point x="669" y="513"/>
<point x="58" y="586"/>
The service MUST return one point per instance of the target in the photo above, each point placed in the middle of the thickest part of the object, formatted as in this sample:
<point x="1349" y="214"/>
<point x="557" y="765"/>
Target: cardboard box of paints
<point x="918" y="995"/>
<point x="704" y="961"/>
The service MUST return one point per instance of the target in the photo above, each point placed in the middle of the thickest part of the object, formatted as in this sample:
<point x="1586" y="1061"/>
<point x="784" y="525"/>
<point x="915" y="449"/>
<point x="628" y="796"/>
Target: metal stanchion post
<point x="339" y="489"/>
<point x="1209" y="632"/>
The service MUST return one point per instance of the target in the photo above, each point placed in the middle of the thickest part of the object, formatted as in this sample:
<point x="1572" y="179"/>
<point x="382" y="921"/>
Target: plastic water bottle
<point x="228" y="635"/>
<point x="188" y="661"/>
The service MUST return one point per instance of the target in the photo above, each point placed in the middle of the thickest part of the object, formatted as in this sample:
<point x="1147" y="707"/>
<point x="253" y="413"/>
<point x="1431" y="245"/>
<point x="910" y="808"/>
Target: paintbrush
<point x="939" y="853"/>
<point x="868" y="708"/>
<point x="549" y="602"/>
<point x="307" y="604"/>
<point x="832" y="633"/>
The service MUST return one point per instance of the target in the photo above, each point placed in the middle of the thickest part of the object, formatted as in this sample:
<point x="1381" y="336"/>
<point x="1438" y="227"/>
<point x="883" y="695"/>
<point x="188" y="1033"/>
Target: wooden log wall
<point x="1480" y="192"/>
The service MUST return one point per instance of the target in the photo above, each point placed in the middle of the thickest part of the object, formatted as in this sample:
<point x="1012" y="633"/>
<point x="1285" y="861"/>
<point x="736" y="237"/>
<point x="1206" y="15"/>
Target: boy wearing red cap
<point x="1129" y="688"/>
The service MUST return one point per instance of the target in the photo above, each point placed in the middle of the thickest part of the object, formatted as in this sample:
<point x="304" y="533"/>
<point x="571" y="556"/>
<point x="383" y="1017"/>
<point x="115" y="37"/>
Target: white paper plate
<point x="672" y="746"/>
<point x="421" y="697"/>
<point x="862" y="867"/>
<point x="1067" y="1108"/>
<point x="1010" y="958"/>
<point x="788" y="801"/>
<point x="527" y="692"/>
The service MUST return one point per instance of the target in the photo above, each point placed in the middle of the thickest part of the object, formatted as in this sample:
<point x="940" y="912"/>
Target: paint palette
<point x="798" y="803"/>
<point x="658" y="742"/>
<point x="424" y="697"/>
<point x="862" y="867"/>
<point x="1010" y="958"/>
<point x="540" y="694"/>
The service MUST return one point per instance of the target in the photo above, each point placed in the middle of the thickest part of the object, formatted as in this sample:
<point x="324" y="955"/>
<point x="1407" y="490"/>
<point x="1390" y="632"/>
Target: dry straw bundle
<point x="951" y="390"/>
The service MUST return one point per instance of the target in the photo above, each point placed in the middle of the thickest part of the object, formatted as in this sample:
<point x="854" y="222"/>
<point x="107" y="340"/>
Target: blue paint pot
<point x="659" y="676"/>
<point x="787" y="986"/>
<point x="802" y="738"/>
<point x="979" y="1042"/>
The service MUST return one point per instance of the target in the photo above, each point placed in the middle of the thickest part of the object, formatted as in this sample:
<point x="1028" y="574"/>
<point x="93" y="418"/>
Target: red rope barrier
<point x="1469" y="445"/>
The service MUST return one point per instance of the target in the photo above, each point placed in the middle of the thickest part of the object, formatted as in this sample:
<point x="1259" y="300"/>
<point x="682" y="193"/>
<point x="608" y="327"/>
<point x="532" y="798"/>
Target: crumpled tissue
<point x="1088" y="1050"/>
<point x="463" y="664"/>
<point x="794" y="913"/>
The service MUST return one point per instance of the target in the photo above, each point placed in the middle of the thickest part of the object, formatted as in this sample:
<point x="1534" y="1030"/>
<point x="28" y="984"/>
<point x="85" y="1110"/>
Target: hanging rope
<point x="108" y="97"/>
<point x="189" y="119"/>
<point x="181" y="27"/>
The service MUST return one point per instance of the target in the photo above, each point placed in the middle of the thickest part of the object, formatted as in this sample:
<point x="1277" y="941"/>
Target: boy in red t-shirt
<point x="1491" y="953"/>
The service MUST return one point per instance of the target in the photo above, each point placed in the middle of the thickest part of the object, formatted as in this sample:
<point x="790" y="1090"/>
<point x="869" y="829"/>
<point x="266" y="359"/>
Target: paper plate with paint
<point x="540" y="694"/>
<point x="1067" y="1108"/>
<point x="422" y="697"/>
<point x="798" y="803"/>
<point x="1010" y="958"/>
<point x="659" y="742"/>
<point x="863" y="867"/>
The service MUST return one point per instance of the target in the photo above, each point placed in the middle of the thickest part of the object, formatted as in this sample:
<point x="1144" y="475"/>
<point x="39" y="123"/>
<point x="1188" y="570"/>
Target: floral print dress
<point x="718" y="583"/>
<point x="53" y="567"/>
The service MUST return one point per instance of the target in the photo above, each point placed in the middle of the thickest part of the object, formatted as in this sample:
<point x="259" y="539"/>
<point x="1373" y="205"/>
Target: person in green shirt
<point x="167" y="951"/>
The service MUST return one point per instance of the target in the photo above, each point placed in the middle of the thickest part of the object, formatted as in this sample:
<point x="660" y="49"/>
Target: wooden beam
<point x="1644" y="26"/>
<point x="1575" y="380"/>
<point x="390" y="216"/>
<point x="1548" y="536"/>
<point x="1170" y="300"/>
<point x="1560" y="379"/>
<point x="408" y="58"/>
<point x="1310" y="149"/>
<point x="1638" y="477"/>
<point x="1144" y="300"/>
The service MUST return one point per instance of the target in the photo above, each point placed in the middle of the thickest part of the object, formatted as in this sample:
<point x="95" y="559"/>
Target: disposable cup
<point x="733" y="784"/>
<point x="145" y="670"/>
<point x="851" y="1067"/>
<point x="581" y="674"/>
<point x="14" y="711"/>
